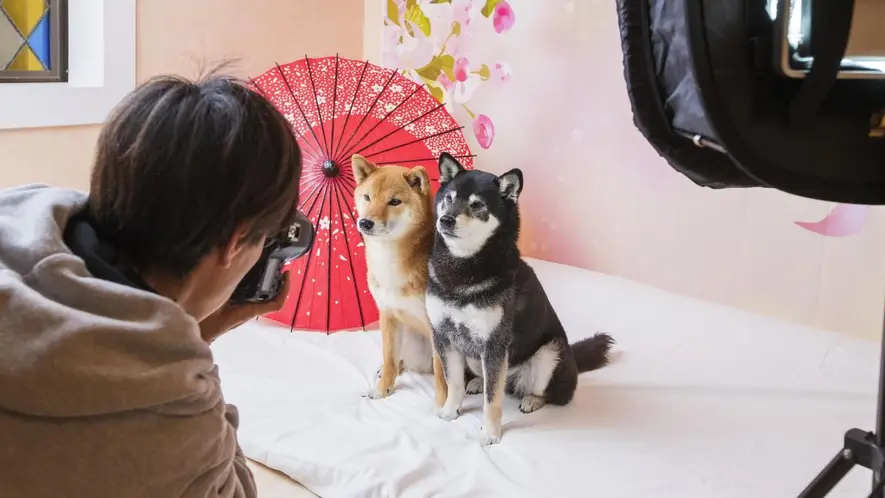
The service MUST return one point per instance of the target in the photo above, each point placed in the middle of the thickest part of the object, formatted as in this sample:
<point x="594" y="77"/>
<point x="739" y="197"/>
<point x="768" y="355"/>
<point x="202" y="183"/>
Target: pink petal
<point x="462" y="69"/>
<point x="499" y="72"/>
<point x="484" y="130"/>
<point x="504" y="17"/>
<point x="843" y="221"/>
<point x="445" y="81"/>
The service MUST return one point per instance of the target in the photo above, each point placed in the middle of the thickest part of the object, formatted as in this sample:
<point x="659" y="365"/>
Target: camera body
<point x="265" y="279"/>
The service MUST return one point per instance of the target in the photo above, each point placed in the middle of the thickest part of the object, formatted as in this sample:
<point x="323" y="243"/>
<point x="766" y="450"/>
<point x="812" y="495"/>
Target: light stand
<point x="860" y="448"/>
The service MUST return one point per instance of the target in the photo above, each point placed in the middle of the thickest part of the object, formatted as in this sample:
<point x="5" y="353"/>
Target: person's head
<point x="189" y="179"/>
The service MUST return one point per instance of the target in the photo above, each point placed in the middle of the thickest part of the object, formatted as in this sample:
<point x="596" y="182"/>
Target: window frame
<point x="101" y="71"/>
<point x="58" y="50"/>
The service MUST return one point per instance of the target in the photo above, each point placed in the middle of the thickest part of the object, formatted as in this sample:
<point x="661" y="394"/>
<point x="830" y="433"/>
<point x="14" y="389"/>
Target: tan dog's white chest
<point x="387" y="280"/>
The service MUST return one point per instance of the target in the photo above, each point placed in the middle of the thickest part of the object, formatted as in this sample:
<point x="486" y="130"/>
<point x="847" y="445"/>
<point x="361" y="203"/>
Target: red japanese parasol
<point x="339" y="107"/>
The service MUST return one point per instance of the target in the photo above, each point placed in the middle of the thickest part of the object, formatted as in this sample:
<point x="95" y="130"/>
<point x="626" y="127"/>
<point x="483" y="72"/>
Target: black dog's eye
<point x="476" y="205"/>
<point x="366" y="197"/>
<point x="395" y="202"/>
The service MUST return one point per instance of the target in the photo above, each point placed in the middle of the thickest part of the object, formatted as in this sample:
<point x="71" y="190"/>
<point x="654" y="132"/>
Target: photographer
<point x="108" y="302"/>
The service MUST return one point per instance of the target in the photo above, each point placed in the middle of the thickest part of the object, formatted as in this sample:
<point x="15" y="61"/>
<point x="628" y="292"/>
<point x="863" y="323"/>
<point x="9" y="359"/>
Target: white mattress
<point x="701" y="401"/>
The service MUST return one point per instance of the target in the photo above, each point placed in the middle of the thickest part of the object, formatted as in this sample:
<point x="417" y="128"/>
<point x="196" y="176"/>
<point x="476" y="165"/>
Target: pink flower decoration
<point x="500" y="71"/>
<point x="484" y="130"/>
<point x="462" y="69"/>
<point x="844" y="220"/>
<point x="445" y="81"/>
<point x="504" y="17"/>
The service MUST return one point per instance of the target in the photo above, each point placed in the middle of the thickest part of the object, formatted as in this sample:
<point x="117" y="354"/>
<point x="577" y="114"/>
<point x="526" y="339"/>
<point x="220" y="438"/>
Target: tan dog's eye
<point x="395" y="202"/>
<point x="366" y="197"/>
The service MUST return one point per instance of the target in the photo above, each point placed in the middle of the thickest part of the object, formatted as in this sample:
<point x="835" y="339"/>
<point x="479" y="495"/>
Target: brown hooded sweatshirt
<point x="106" y="388"/>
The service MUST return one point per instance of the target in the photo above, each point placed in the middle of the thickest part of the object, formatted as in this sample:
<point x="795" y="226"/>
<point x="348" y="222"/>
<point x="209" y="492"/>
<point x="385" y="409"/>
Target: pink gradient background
<point x="597" y="196"/>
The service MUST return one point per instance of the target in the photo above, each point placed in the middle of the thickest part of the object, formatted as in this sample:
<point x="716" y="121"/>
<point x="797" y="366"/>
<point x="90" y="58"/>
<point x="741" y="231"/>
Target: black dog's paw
<point x="475" y="386"/>
<point x="531" y="403"/>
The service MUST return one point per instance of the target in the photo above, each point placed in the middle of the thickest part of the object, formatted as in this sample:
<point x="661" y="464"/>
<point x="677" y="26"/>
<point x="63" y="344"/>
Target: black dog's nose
<point x="366" y="224"/>
<point x="447" y="221"/>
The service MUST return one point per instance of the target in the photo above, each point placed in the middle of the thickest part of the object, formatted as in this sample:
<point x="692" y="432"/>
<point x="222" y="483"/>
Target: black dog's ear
<point x="449" y="168"/>
<point x="510" y="184"/>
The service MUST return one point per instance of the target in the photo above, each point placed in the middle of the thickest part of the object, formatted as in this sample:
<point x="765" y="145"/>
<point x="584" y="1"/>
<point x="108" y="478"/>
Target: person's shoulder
<point x="25" y="188"/>
<point x="31" y="189"/>
<point x="29" y="197"/>
<point x="32" y="218"/>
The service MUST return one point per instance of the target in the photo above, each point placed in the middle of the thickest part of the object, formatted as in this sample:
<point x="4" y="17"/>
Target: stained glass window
<point x="33" y="41"/>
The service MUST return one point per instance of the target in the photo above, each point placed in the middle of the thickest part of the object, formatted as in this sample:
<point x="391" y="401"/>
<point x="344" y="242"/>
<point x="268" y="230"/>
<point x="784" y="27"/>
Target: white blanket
<point x="701" y="401"/>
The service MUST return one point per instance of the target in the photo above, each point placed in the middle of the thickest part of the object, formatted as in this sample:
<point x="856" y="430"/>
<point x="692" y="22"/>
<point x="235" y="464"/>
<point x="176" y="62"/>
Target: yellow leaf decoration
<point x="489" y="7"/>
<point x="392" y="12"/>
<point x="447" y="64"/>
<point x="417" y="18"/>
<point x="440" y="63"/>
<point x="429" y="72"/>
<point x="435" y="90"/>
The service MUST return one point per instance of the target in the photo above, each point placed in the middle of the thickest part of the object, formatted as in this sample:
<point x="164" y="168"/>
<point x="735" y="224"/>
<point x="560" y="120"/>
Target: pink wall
<point x="598" y="196"/>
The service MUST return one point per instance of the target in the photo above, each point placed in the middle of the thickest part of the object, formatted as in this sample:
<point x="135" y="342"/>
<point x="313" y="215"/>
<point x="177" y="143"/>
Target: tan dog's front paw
<point x="376" y="393"/>
<point x="488" y="440"/>
<point x="383" y="388"/>
<point x="447" y="413"/>
<point x="402" y="368"/>
<point x="490" y="436"/>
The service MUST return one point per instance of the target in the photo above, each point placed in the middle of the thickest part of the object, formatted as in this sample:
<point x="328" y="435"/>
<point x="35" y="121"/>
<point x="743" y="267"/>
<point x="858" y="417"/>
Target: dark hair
<point x="180" y="165"/>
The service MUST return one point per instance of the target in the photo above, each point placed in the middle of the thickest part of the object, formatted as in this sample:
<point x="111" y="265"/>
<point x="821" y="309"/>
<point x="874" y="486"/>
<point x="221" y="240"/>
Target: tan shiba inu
<point x="396" y="219"/>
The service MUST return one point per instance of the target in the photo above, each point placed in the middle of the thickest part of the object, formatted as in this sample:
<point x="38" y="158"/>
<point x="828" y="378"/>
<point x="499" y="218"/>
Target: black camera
<point x="264" y="280"/>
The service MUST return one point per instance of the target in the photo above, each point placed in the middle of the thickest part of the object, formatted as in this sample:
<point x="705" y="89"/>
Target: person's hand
<point x="232" y="315"/>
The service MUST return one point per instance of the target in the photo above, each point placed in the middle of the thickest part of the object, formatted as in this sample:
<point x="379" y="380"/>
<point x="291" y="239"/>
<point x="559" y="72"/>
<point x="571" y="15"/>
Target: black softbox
<point x="705" y="93"/>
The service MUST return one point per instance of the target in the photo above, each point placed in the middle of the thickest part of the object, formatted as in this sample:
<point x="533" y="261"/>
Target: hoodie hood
<point x="75" y="342"/>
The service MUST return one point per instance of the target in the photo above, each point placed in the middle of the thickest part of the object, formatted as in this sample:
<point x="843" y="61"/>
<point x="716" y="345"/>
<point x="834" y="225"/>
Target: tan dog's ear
<point x="362" y="168"/>
<point x="418" y="179"/>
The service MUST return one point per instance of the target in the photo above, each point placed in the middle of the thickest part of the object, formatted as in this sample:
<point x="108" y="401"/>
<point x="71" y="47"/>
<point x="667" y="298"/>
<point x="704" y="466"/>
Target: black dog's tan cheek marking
<point x="482" y="216"/>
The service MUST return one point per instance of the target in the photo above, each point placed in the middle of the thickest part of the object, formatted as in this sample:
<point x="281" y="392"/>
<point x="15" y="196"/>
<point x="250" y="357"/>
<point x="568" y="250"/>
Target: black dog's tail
<point x="592" y="353"/>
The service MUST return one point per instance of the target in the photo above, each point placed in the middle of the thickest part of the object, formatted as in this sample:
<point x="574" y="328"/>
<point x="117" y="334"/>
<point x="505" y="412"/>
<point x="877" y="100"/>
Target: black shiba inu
<point x="487" y="308"/>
